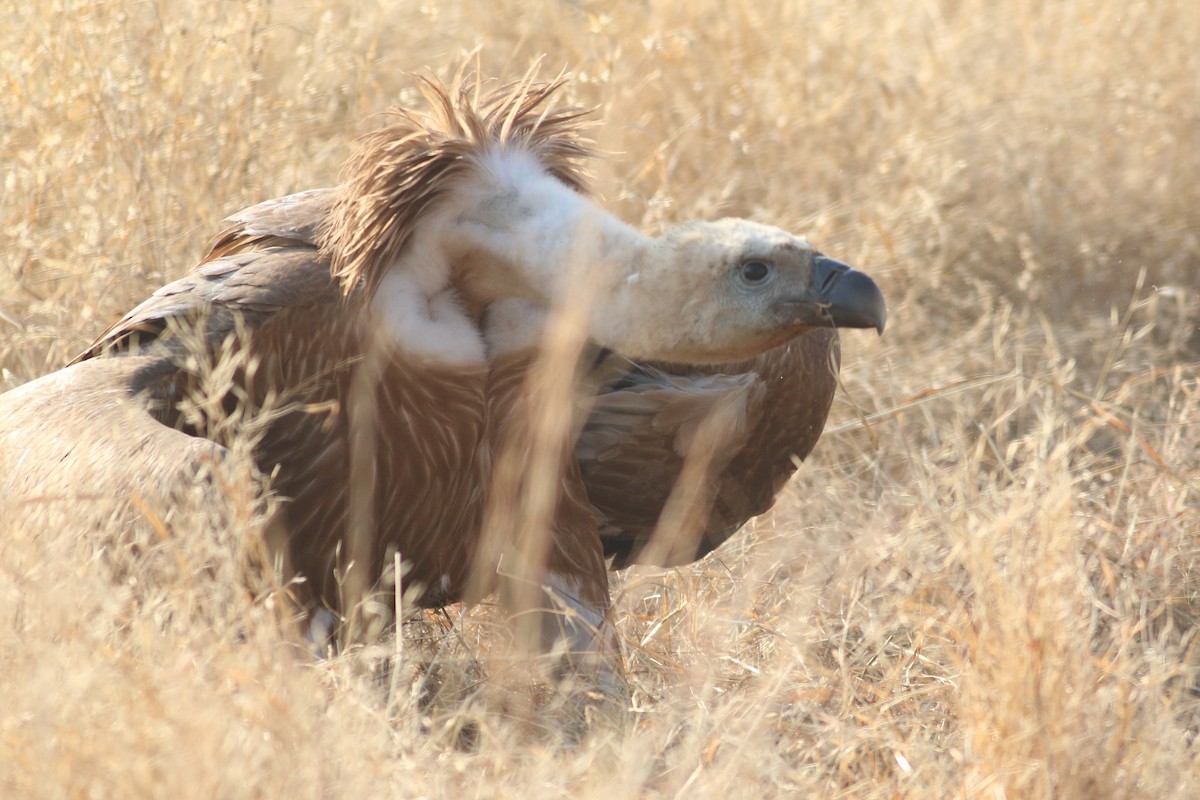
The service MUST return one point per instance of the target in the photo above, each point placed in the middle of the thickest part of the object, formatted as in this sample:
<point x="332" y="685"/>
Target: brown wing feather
<point x="640" y="431"/>
<point x="632" y="449"/>
<point x="265" y="261"/>
<point x="292" y="220"/>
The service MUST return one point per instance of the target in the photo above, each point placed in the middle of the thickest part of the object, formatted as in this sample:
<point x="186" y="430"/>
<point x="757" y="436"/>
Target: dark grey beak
<point x="847" y="297"/>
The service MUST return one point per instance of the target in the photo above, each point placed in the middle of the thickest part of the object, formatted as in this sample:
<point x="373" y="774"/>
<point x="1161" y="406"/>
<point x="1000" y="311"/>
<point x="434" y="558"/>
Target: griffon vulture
<point x="389" y="324"/>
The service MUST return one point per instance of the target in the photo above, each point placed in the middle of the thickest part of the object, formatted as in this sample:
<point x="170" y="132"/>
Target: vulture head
<point x="739" y="288"/>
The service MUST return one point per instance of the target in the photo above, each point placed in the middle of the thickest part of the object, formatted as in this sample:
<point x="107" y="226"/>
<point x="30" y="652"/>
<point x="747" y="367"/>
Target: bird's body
<point x="384" y="375"/>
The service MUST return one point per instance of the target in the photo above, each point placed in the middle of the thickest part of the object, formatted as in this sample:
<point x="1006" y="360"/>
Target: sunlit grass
<point x="983" y="583"/>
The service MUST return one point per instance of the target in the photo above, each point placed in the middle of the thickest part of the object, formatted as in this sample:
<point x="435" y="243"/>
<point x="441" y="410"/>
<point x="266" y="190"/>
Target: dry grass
<point x="990" y="589"/>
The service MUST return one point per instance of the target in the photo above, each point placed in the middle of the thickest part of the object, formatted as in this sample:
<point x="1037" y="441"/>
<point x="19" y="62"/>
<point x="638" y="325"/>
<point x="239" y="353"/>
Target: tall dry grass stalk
<point x="984" y="583"/>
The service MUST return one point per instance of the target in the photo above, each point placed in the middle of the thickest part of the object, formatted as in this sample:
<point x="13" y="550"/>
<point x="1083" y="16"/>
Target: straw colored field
<point x="984" y="583"/>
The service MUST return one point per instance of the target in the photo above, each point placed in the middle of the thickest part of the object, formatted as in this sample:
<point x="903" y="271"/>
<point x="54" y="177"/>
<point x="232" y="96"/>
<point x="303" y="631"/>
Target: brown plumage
<point x="762" y="417"/>
<point x="385" y="340"/>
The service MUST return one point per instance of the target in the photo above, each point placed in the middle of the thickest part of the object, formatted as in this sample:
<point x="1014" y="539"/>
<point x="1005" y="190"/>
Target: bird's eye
<point x="755" y="273"/>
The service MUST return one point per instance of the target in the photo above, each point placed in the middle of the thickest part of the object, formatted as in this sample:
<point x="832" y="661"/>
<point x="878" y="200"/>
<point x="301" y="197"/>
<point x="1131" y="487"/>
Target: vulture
<point x="389" y="331"/>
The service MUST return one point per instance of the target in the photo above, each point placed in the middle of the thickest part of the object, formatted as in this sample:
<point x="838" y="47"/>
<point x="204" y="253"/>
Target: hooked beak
<point x="843" y="298"/>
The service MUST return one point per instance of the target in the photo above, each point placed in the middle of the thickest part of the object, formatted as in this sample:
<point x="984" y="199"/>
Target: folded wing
<point x="745" y="426"/>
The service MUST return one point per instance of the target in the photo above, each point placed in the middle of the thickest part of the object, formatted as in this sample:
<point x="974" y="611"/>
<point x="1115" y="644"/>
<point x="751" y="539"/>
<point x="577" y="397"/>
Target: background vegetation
<point x="984" y="583"/>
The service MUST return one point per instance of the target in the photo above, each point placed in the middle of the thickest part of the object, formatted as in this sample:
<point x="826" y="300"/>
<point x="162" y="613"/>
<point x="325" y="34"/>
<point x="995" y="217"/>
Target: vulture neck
<point x="520" y="233"/>
<point x="507" y="231"/>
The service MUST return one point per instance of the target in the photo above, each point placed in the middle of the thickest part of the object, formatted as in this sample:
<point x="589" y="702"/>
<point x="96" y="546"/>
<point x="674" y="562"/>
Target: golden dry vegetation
<point x="984" y="583"/>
